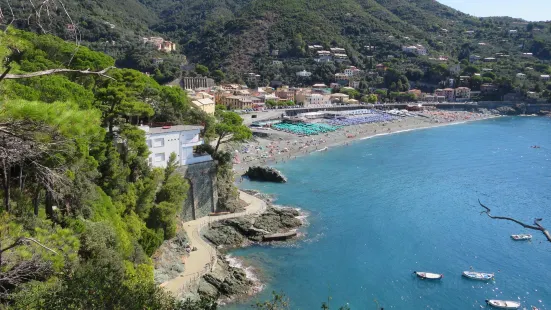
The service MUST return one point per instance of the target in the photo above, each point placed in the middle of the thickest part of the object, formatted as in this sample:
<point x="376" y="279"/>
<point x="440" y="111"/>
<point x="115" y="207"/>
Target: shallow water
<point x="381" y="208"/>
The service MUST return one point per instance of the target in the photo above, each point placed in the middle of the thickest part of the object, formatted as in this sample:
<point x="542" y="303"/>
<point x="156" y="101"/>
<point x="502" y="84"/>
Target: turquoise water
<point x="384" y="207"/>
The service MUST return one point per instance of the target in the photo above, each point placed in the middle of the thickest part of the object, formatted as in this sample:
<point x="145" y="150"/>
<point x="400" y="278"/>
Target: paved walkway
<point x="204" y="258"/>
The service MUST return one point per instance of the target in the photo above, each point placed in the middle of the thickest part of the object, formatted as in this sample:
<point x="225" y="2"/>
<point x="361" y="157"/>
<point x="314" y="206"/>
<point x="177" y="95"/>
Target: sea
<point x="381" y="208"/>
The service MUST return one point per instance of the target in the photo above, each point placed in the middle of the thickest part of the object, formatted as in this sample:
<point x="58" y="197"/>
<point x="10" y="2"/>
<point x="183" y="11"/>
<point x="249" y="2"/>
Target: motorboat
<point x="482" y="276"/>
<point x="428" y="275"/>
<point x="503" y="304"/>
<point x="521" y="237"/>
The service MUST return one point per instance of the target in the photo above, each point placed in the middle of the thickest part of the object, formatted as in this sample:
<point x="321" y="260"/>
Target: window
<point x="159" y="142"/>
<point x="148" y="141"/>
<point x="159" y="157"/>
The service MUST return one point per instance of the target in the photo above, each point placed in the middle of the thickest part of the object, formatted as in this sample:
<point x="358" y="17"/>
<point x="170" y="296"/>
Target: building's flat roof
<point x="205" y="101"/>
<point x="158" y="130"/>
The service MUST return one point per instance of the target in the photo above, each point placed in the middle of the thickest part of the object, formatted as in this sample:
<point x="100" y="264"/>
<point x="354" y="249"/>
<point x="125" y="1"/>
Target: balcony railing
<point x="192" y="143"/>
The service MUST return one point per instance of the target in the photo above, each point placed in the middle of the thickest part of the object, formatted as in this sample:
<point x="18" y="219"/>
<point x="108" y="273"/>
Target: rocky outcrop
<point x="508" y="111"/>
<point x="237" y="232"/>
<point x="168" y="259"/>
<point x="277" y="220"/>
<point x="225" y="281"/>
<point x="265" y="174"/>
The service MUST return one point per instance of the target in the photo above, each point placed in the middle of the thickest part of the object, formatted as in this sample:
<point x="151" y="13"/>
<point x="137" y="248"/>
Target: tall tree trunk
<point x="6" y="175"/>
<point x="218" y="143"/>
<point x="36" y="200"/>
<point x="49" y="201"/>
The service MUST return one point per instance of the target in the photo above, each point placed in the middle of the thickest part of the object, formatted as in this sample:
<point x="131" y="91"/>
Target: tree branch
<point x="536" y="225"/>
<point x="56" y="71"/>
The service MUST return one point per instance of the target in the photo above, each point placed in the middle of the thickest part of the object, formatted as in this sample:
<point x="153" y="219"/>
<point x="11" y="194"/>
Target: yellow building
<point x="206" y="105"/>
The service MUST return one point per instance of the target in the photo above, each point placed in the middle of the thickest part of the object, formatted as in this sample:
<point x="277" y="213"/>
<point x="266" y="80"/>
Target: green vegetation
<point x="82" y="211"/>
<point x="232" y="38"/>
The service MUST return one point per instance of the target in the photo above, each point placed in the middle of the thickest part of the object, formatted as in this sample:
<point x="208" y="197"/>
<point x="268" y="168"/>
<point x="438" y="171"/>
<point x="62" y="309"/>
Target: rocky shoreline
<point x="228" y="280"/>
<point x="231" y="281"/>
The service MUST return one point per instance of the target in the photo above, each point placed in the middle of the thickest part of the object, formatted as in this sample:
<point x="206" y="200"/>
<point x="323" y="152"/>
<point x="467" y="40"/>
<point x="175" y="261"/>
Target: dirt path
<point x="204" y="258"/>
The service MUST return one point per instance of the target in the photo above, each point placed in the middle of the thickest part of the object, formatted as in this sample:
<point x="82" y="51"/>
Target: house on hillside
<point x="544" y="77"/>
<point x="352" y="71"/>
<point x="527" y="55"/>
<point x="180" y="139"/>
<point x="304" y="74"/>
<point x="341" y="77"/>
<point x="521" y="76"/>
<point x="474" y="58"/>
<point x="340" y="57"/>
<point x="488" y="88"/>
<point x="380" y="67"/>
<point x="462" y="93"/>
<point x="338" y="50"/>
<point x="160" y="43"/>
<point x="324" y="56"/>
<point x="415" y="49"/>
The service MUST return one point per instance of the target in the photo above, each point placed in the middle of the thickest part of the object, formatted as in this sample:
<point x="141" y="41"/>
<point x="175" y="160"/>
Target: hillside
<point x="242" y="36"/>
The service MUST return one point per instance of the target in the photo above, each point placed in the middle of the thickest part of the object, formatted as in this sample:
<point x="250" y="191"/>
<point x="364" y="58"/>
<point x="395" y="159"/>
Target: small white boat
<point x="428" y="275"/>
<point x="521" y="237"/>
<point x="503" y="304"/>
<point x="482" y="276"/>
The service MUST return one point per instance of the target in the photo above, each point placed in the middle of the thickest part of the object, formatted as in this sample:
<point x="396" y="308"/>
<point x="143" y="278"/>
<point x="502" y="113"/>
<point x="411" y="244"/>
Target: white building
<point x="521" y="76"/>
<point x="415" y="49"/>
<point x="304" y="73"/>
<point x="338" y="50"/>
<point x="311" y="99"/>
<point x="180" y="139"/>
<point x="544" y="77"/>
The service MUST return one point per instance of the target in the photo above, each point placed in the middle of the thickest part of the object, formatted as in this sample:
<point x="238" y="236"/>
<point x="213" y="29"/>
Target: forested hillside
<point x="242" y="36"/>
<point x="81" y="211"/>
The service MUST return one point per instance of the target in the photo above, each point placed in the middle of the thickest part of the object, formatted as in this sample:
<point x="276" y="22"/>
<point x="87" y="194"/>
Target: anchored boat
<point x="482" y="276"/>
<point x="428" y="275"/>
<point x="521" y="237"/>
<point x="503" y="304"/>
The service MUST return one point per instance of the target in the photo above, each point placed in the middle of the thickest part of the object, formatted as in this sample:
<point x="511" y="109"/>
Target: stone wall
<point x="202" y="196"/>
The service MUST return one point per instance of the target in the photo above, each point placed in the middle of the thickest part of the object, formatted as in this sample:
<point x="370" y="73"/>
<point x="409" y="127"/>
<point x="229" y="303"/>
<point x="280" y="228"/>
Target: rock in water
<point x="266" y="174"/>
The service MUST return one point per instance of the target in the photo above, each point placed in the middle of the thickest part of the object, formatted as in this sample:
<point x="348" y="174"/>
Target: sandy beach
<point x="281" y="146"/>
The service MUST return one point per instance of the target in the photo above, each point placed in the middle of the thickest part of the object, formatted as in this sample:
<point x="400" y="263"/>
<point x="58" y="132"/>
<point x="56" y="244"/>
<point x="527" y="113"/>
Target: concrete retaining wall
<point x="202" y="195"/>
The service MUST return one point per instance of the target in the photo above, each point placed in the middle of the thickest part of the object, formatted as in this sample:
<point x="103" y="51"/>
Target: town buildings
<point x="203" y="101"/>
<point x="242" y="102"/>
<point x="180" y="140"/>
